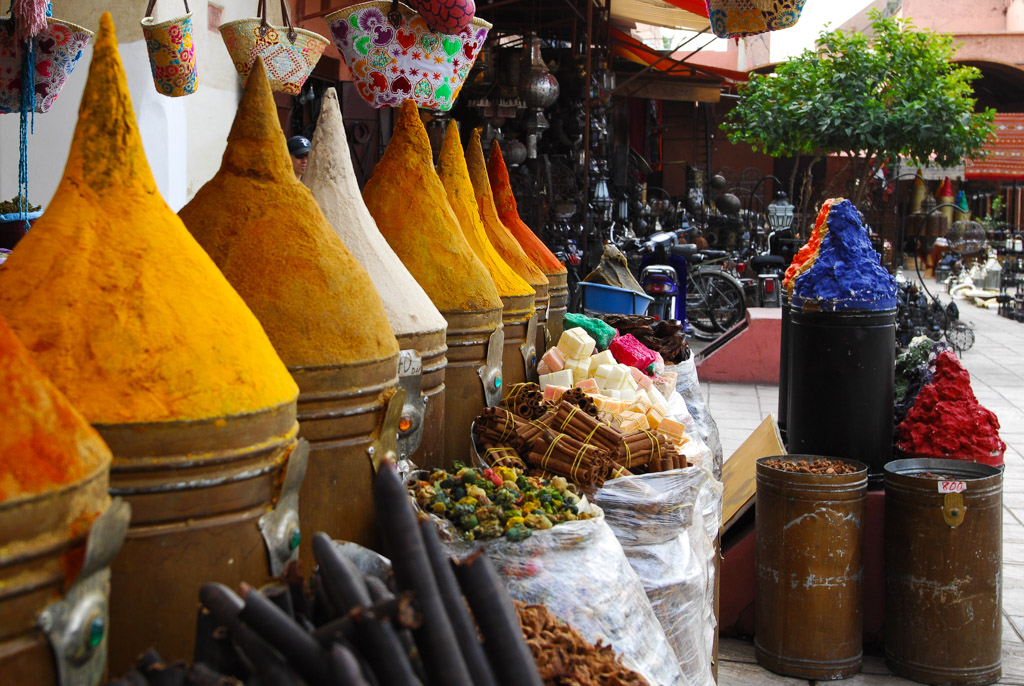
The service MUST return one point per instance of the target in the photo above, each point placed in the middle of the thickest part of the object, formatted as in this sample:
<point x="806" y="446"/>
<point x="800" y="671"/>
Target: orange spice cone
<point x="805" y="257"/>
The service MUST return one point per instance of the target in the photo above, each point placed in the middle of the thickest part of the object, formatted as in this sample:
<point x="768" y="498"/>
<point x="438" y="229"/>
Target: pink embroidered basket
<point x="395" y="56"/>
<point x="57" y="51"/>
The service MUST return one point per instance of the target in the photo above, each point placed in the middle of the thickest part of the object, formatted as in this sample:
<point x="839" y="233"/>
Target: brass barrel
<point x="809" y="564"/>
<point x="943" y="570"/>
<point x="429" y="348"/>
<point x="472" y="364"/>
<point x="197" y="490"/>
<point x="340" y="412"/>
<point x="519" y="357"/>
<point x="542" y="302"/>
<point x="558" y="291"/>
<point x="42" y="546"/>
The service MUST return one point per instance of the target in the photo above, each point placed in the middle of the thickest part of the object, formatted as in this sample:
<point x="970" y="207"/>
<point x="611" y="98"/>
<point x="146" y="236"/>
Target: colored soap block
<point x="672" y="429"/>
<point x="576" y="344"/>
<point x="588" y="386"/>
<point x="603" y="357"/>
<point x="554" y="360"/>
<point x="560" y="378"/>
<point x="580" y="369"/>
<point x="606" y="403"/>
<point x="666" y="383"/>
<point x="553" y="393"/>
<point x="543" y="368"/>
<point x="628" y="350"/>
<point x="655" y="416"/>
<point x="641" y="403"/>
<point x="600" y="331"/>
<point x="642" y="379"/>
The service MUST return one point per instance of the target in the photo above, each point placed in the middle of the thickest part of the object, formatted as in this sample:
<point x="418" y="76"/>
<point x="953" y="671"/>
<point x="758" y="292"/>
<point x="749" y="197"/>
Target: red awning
<point x="627" y="47"/>
<point x="696" y="6"/>
<point x="1004" y="152"/>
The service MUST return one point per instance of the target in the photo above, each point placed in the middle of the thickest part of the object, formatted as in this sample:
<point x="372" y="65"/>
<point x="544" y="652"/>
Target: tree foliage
<point x="897" y="93"/>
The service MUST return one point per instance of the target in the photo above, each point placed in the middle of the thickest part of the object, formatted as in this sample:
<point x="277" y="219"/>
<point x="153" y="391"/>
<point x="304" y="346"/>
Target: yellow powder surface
<point x="501" y="238"/>
<point x="451" y="168"/>
<point x="508" y="212"/>
<point x="409" y="204"/>
<point x="268" y="236"/>
<point x="45" y="443"/>
<point x="116" y="302"/>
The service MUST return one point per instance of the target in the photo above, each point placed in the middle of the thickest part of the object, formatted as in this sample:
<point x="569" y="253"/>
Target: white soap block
<point x="627" y="394"/>
<point x="656" y="397"/>
<point x="560" y="378"/>
<point x="576" y="344"/>
<point x="603" y="357"/>
<point x="580" y="369"/>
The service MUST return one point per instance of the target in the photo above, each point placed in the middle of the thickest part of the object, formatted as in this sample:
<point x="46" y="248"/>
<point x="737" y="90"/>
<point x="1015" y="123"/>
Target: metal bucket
<point x="421" y="372"/>
<point x="519" y="356"/>
<point x="41" y="551"/>
<point x="542" y="301"/>
<point x="340" y="411"/>
<point x="198" y="490"/>
<point x="783" y="414"/>
<point x="842" y="369"/>
<point x="809" y="562"/>
<point x="558" y="291"/>
<point x="943" y="575"/>
<point x="472" y="378"/>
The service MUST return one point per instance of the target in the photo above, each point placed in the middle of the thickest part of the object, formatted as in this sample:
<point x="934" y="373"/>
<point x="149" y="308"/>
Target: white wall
<point x="184" y="138"/>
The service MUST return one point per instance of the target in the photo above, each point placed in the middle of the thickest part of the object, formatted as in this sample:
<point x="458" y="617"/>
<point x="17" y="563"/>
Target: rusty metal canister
<point x="421" y="372"/>
<point x="473" y="377"/>
<point x="558" y="291"/>
<point x="943" y="570"/>
<point x="809" y="564"/>
<point x="206" y="497"/>
<point x="519" y="356"/>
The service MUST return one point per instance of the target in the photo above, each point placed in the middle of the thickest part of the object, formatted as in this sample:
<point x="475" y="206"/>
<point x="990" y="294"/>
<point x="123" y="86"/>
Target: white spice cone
<point x="332" y="180"/>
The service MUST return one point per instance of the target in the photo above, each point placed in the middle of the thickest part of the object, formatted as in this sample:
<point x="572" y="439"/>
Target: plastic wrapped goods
<point x="666" y="523"/>
<point x="579" y="571"/>
<point x="688" y="386"/>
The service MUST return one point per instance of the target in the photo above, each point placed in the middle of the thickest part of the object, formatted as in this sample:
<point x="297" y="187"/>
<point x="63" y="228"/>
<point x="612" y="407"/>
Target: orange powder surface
<point x="805" y="257"/>
<point x="451" y="168"/>
<point x="409" y="204"/>
<point x="268" y="236"/>
<point x="501" y="238"/>
<point x="44" y="441"/>
<point x="508" y="212"/>
<point x="116" y="302"/>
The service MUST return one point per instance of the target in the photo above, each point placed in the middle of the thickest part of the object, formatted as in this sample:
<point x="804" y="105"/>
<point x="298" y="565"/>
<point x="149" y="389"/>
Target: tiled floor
<point x="996" y="364"/>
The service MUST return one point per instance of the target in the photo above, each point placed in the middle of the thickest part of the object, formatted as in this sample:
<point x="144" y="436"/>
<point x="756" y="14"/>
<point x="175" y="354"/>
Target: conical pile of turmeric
<point x="44" y="443"/>
<point x="508" y="211"/>
<point x="409" y="203"/>
<point x="501" y="238"/>
<point x="332" y="180"/>
<point x="451" y="168"/>
<point x="116" y="302"/>
<point x="268" y="236"/>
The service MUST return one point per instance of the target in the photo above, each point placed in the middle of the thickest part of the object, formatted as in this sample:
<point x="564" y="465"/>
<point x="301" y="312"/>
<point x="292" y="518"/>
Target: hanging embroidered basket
<point x="394" y="55"/>
<point x="734" y="18"/>
<point x="57" y="50"/>
<point x="172" y="53"/>
<point x="289" y="54"/>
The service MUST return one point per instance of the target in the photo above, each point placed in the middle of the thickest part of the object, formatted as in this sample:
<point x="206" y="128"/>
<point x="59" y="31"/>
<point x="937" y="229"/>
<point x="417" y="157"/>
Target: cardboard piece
<point x="739" y="471"/>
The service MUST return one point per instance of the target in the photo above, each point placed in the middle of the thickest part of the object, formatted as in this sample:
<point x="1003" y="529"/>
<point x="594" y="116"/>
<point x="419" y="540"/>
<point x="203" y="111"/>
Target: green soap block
<point x="600" y="331"/>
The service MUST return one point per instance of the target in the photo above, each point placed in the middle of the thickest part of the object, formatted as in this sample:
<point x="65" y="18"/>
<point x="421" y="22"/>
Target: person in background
<point x="298" y="148"/>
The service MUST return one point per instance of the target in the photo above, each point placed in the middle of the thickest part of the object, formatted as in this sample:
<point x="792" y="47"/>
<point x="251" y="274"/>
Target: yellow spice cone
<point x="409" y="203"/>
<point x="117" y="303"/>
<point x="267" y="234"/>
<point x="501" y="238"/>
<point x="451" y="168"/>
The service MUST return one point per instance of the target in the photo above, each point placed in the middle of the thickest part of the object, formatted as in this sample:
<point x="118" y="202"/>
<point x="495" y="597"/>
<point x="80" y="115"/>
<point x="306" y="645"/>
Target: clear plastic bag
<point x="666" y="523"/>
<point x="579" y="571"/>
<point x="688" y="386"/>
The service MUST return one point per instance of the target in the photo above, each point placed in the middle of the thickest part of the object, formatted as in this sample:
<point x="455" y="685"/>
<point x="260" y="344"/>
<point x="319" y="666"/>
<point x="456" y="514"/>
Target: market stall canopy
<point x="665" y="78"/>
<point x="1004" y="152"/>
<point x="678" y="14"/>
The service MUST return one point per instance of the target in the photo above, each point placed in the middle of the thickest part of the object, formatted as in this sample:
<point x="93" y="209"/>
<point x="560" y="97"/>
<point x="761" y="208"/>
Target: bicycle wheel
<point x="714" y="303"/>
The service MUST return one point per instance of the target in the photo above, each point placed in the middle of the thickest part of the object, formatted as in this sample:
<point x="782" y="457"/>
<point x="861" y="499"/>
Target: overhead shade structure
<point x="1004" y="152"/>
<point x="664" y="77"/>
<point x="679" y="14"/>
<point x="629" y="48"/>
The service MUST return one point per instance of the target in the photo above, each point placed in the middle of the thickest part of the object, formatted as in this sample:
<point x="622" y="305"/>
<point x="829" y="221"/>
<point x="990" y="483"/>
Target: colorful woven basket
<point x="172" y="53"/>
<point x="734" y="18"/>
<point x="57" y="51"/>
<point x="289" y="54"/>
<point x="395" y="56"/>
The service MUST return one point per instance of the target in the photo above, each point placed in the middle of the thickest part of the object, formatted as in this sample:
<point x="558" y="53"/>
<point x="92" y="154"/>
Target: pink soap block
<point x="642" y="379"/>
<point x="542" y="367"/>
<point x="554" y="360"/>
<point x="553" y="393"/>
<point x="588" y="386"/>
<point x="628" y="350"/>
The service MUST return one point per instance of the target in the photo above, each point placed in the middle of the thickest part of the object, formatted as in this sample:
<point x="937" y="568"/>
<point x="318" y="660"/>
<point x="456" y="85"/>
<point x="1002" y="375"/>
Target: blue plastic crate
<point x="600" y="299"/>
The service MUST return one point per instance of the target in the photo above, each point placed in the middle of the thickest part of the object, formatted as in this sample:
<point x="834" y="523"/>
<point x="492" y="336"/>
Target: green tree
<point x="897" y="93"/>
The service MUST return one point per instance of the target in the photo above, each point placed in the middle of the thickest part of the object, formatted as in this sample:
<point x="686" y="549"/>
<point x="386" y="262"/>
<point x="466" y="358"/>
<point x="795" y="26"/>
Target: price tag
<point x="409" y="363"/>
<point x="952" y="486"/>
